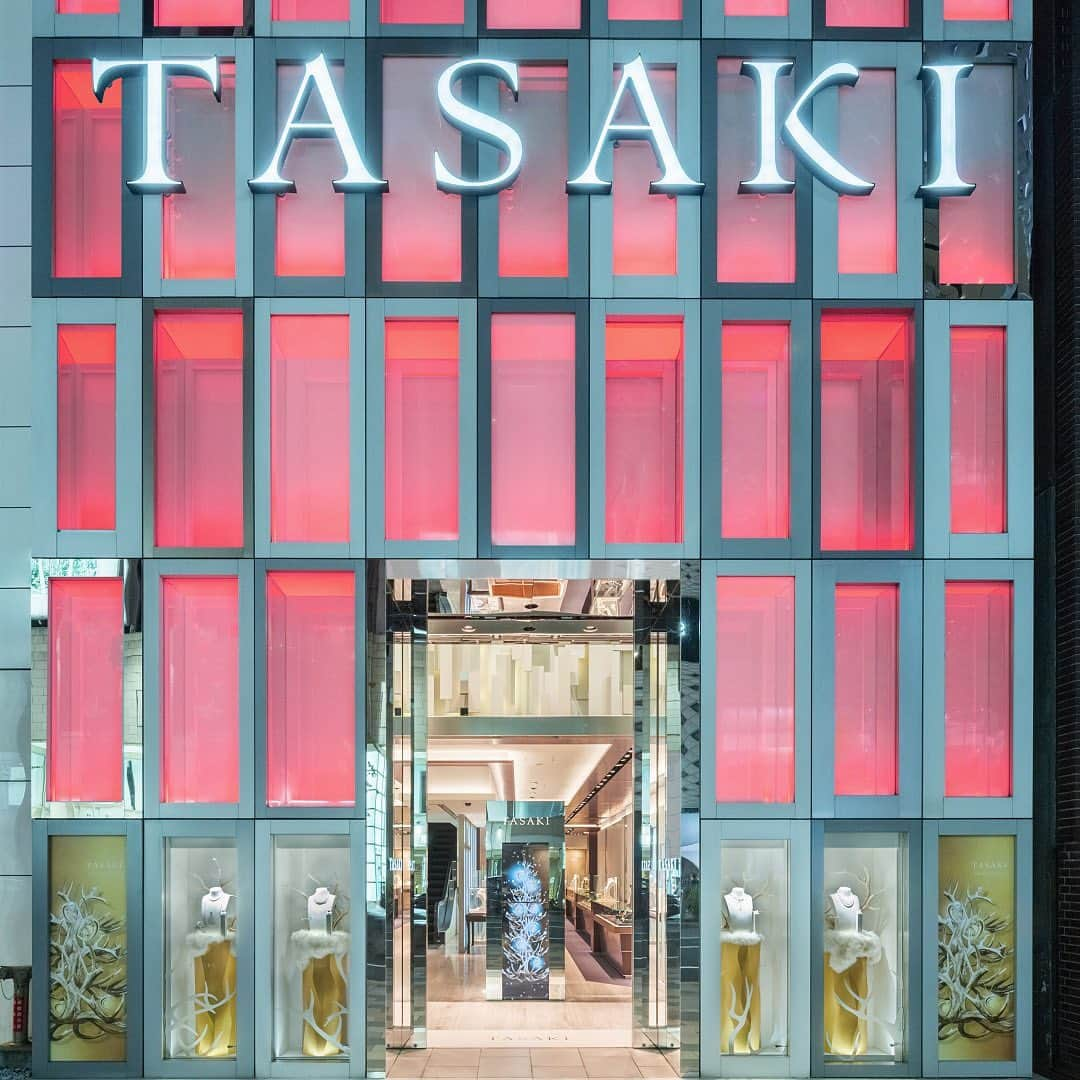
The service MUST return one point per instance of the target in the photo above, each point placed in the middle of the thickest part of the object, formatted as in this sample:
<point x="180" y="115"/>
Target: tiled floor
<point x="519" y="1063"/>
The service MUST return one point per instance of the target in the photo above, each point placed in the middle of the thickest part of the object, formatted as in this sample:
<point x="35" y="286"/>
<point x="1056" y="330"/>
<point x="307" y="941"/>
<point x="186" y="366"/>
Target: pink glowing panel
<point x="644" y="10"/>
<point x="756" y="8"/>
<point x="755" y="420"/>
<point x="431" y="12"/>
<point x="978" y="688"/>
<point x="309" y="428"/>
<point x="755" y="234"/>
<point x="529" y="15"/>
<point x="421" y="226"/>
<point x="310" y="688"/>
<point x="755" y="689"/>
<point x="867" y="379"/>
<point x="200" y="690"/>
<point x="984" y="10"/>
<point x="976" y="232"/>
<point x="87" y="175"/>
<point x="198" y="12"/>
<point x="86" y="427"/>
<point x="310" y="10"/>
<point x="866" y="224"/>
<point x="311" y="220"/>
<point x="422" y="433"/>
<point x="86" y="690"/>
<point x="198" y="228"/>
<point x="532" y="391"/>
<point x="199" y="428"/>
<point x="866" y="690"/>
<point x="88" y="7"/>
<point x="977" y="429"/>
<point x="534" y="238"/>
<point x="645" y="228"/>
<point x="866" y="12"/>
<point x="643" y="430"/>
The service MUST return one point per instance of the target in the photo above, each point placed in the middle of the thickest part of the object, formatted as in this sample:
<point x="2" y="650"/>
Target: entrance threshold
<point x="532" y="1063"/>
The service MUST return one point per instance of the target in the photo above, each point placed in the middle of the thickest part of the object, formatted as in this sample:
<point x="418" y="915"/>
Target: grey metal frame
<point x="1018" y="28"/>
<point x="266" y="26"/>
<point x="47" y="23"/>
<point x="603" y="27"/>
<point x="465" y="29"/>
<point x="154" y="571"/>
<point x="715" y="23"/>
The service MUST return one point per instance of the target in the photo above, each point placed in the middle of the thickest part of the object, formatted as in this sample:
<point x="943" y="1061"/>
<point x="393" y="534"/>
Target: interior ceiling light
<point x="590" y="629"/>
<point x="469" y="629"/>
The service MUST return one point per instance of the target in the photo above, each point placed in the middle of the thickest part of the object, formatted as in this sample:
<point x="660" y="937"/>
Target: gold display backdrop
<point x="87" y="948"/>
<point x="977" y="948"/>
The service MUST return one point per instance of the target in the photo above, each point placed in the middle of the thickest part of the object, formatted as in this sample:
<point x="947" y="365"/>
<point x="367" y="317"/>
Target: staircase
<point x="442" y="855"/>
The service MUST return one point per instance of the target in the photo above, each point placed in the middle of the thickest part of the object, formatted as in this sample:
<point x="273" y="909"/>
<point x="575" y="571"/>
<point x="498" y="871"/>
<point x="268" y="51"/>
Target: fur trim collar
<point x="844" y="947"/>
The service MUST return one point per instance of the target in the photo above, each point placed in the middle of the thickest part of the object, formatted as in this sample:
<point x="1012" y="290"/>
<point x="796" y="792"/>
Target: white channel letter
<point x="941" y="116"/>
<point x="155" y="178"/>
<point x="767" y="179"/>
<point x="467" y="119"/>
<point x="675" y="180"/>
<point x="357" y="176"/>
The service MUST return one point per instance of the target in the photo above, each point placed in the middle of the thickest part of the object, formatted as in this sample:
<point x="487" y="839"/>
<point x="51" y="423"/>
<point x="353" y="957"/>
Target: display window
<point x="866" y="13"/>
<point x="984" y="20"/>
<point x="202" y="14"/>
<point x="645" y="18"/>
<point x="88" y="7"/>
<point x="514" y="15"/>
<point x="310" y="10"/>
<point x="764" y="19"/>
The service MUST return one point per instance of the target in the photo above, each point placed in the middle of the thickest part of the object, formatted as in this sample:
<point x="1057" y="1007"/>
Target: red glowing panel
<point x="88" y="7"/>
<point x="200" y="690"/>
<point x="867" y="379"/>
<point x="431" y="12"/>
<point x="532" y="390"/>
<point x="87" y="175"/>
<point x="644" y="10"/>
<point x="311" y="220"/>
<point x="978" y="688"/>
<point x="976" y="231"/>
<point x="977" y="429"/>
<point x="421" y="435"/>
<point x="866" y="224"/>
<point x="310" y="688"/>
<point x="866" y="12"/>
<point x="86" y="690"/>
<point x="310" y="11"/>
<point x="534" y="238"/>
<point x="643" y="430"/>
<point x="645" y="228"/>
<point x="528" y="15"/>
<point x="755" y="689"/>
<point x="985" y="10"/>
<point x="199" y="428"/>
<point x="309" y="428"/>
<point x="198" y="228"/>
<point x="421" y="226"/>
<point x="755" y="234"/>
<point x="755" y="419"/>
<point x="866" y="690"/>
<point x="756" y="8"/>
<point x="86" y="427"/>
<point x="198" y="12"/>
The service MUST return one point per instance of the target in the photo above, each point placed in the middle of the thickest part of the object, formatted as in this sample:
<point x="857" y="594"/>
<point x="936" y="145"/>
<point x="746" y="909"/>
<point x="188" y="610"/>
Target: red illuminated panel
<point x="86" y="427"/>
<point x="532" y="391"/>
<point x="534" y="238"/>
<point x="311" y="220"/>
<point x="976" y="232"/>
<point x="978" y="688"/>
<point x="755" y="689"/>
<point x="755" y="234"/>
<point x="421" y="436"/>
<point x="977" y="429"/>
<point x="529" y="15"/>
<point x="645" y="228"/>
<point x="652" y="10"/>
<point x="866" y="695"/>
<point x="88" y="7"/>
<point x="198" y="12"/>
<point x="866" y="12"/>
<point x="421" y="226"/>
<point x="310" y="10"/>
<point x="309" y="428"/>
<point x="431" y="12"/>
<point x="87" y="175"/>
<point x="198" y="228"/>
<point x="199" y="428"/>
<point x="756" y="7"/>
<point x="200" y="690"/>
<point x="643" y="481"/>
<point x="755" y="420"/>
<point x="867" y="375"/>
<point x="866" y="224"/>
<point x="86" y="690"/>
<point x="310" y="688"/>
<point x="985" y="10"/>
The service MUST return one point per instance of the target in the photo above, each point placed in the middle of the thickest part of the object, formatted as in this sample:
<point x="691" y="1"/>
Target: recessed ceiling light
<point x="590" y="629"/>
<point x="469" y="629"/>
<point x="531" y="607"/>
<point x="528" y="629"/>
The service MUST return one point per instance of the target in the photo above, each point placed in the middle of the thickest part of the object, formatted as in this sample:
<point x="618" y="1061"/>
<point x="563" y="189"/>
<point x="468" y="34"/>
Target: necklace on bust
<point x="848" y="901"/>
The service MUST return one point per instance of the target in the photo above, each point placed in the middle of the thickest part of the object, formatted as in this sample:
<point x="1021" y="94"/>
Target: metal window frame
<point x="912" y="32"/>
<point x="378" y="311"/>
<point x="47" y="51"/>
<point x="151" y="307"/>
<point x="150" y="30"/>
<point x="304" y="813"/>
<point x="1018" y="540"/>
<point x="465" y="29"/>
<point x="1024" y="893"/>
<point x="711" y="148"/>
<point x="156" y="968"/>
<point x="526" y="32"/>
<point x="132" y="1066"/>
<point x="580" y="311"/>
<point x="796" y="834"/>
<point x="270" y="54"/>
<point x="265" y="546"/>
<point x="155" y="570"/>
<point x="685" y="57"/>
<point x="690" y="313"/>
<point x="267" y="26"/>
<point x="574" y="52"/>
<point x="1018" y="28"/>
<point x="688" y="27"/>
<point x="797" y="314"/>
<point x="125" y="540"/>
<point x="800" y="570"/>
<point x="715" y="23"/>
<point x="126" y="23"/>
<point x="937" y="574"/>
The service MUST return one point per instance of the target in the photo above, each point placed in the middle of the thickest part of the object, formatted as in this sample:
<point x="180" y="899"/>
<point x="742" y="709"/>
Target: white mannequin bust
<point x="739" y="907"/>
<point x="215" y="906"/>
<point x="847" y="909"/>
<point x="320" y="906"/>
